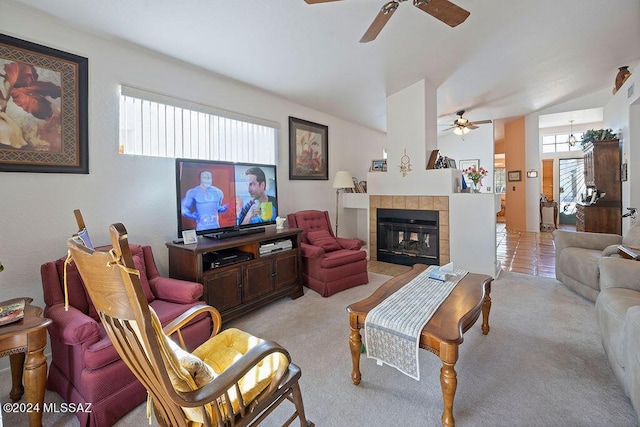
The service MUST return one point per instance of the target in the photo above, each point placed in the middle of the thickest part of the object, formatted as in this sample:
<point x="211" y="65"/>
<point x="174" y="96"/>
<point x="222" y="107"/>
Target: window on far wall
<point x="499" y="181"/>
<point x="559" y="143"/>
<point x="162" y="126"/>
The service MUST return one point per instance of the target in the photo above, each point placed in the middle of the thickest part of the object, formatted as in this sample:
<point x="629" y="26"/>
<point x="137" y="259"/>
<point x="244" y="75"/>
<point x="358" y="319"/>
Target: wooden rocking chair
<point x="233" y="379"/>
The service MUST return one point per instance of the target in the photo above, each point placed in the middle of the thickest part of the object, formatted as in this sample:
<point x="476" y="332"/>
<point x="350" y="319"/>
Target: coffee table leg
<point x="486" y="308"/>
<point x="449" y="383"/>
<point x="355" y="344"/>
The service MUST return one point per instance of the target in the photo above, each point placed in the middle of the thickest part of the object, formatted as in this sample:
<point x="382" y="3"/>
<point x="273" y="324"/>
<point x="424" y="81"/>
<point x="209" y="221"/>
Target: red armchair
<point x="85" y="367"/>
<point x="329" y="264"/>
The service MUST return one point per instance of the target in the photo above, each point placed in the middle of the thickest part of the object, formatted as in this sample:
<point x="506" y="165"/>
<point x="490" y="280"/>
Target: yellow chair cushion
<point x="221" y="351"/>
<point x="188" y="372"/>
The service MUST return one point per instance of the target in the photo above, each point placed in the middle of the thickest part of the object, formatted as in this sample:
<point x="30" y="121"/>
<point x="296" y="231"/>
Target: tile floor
<point x="518" y="251"/>
<point x="526" y="252"/>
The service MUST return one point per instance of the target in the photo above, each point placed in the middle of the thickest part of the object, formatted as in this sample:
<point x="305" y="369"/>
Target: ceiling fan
<point x="462" y="126"/>
<point x="442" y="10"/>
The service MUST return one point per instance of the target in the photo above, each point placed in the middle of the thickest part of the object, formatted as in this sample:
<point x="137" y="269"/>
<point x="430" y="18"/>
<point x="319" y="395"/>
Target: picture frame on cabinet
<point x="45" y="113"/>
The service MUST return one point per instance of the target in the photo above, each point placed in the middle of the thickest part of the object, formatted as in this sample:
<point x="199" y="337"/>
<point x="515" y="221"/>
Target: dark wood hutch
<point x="602" y="173"/>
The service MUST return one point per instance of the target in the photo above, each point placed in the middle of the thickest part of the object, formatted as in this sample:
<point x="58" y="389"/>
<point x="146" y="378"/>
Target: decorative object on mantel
<point x="621" y="77"/>
<point x="405" y="164"/>
<point x="341" y="181"/>
<point x="475" y="175"/>
<point x="431" y="164"/>
<point x="378" y="165"/>
<point x="593" y="135"/>
<point x="466" y="164"/>
<point x="445" y="162"/>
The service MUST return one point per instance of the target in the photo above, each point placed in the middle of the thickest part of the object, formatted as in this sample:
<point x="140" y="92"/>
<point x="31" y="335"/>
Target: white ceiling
<point x="510" y="57"/>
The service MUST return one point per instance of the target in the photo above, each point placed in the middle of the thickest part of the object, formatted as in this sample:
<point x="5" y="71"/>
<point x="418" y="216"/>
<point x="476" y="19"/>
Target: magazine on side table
<point x="11" y="311"/>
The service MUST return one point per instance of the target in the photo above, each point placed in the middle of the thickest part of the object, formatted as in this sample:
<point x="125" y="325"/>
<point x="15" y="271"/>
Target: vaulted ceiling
<point x="509" y="58"/>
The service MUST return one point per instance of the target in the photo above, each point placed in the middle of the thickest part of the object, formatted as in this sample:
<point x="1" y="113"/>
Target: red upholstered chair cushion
<point x="342" y="257"/>
<point x="323" y="239"/>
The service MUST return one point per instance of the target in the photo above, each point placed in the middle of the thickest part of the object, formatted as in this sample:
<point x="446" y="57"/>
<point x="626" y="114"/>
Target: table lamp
<point x="342" y="180"/>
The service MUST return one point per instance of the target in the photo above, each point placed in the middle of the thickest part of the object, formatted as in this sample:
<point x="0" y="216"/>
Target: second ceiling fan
<point x="442" y="10"/>
<point x="462" y="126"/>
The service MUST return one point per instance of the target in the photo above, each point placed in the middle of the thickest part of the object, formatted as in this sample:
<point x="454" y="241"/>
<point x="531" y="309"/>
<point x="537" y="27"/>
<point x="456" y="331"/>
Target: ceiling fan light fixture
<point x="461" y="130"/>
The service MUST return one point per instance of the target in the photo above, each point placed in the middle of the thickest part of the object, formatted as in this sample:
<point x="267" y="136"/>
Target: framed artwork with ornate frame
<point x="308" y="150"/>
<point x="43" y="108"/>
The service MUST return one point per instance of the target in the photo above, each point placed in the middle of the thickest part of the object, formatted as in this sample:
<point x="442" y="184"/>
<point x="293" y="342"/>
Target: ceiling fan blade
<point x="480" y="122"/>
<point x="379" y="22"/>
<point x="449" y="128"/>
<point x="471" y="126"/>
<point x="443" y="10"/>
<point x="319" y="1"/>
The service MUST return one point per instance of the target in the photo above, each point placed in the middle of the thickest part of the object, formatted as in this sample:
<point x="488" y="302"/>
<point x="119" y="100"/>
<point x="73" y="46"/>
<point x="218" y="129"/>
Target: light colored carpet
<point x="542" y="364"/>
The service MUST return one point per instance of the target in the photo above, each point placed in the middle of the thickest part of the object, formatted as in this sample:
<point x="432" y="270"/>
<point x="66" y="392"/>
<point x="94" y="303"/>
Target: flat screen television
<point x="220" y="199"/>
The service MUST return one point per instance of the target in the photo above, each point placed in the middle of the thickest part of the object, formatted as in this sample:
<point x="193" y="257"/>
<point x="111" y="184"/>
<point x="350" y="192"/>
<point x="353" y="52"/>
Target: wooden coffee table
<point x="442" y="334"/>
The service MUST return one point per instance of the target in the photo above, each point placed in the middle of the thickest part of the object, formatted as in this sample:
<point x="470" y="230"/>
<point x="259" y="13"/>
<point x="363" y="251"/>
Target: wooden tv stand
<point x="245" y="285"/>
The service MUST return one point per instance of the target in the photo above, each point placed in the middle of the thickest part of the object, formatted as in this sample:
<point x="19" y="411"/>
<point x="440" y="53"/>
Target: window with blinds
<point x="157" y="125"/>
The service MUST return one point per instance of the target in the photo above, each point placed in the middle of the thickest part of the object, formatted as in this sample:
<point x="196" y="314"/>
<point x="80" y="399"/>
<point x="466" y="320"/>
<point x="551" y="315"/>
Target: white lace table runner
<point x="393" y="327"/>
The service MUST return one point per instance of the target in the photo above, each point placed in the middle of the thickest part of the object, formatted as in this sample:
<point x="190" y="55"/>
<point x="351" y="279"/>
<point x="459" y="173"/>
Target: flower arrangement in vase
<point x="475" y="175"/>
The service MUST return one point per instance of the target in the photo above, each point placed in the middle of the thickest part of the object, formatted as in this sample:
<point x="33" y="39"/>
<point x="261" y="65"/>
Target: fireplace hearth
<point x="407" y="236"/>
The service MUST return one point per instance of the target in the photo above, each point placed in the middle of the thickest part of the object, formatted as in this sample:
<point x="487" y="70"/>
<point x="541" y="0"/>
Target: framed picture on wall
<point x="43" y="101"/>
<point x="308" y="150"/>
<point x="514" y="176"/>
<point x="470" y="163"/>
<point x="466" y="164"/>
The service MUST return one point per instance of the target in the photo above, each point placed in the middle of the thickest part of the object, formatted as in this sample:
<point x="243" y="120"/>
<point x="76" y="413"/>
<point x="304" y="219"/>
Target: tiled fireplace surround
<point x="428" y="203"/>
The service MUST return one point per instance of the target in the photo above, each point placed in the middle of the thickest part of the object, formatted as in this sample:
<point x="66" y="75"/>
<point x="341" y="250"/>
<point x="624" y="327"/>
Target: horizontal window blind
<point x="157" y="125"/>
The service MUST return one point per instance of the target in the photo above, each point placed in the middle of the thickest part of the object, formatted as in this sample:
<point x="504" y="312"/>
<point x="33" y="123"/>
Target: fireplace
<point x="407" y="236"/>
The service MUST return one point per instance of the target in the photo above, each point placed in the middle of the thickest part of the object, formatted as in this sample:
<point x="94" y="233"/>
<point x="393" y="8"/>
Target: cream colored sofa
<point x="588" y="263"/>
<point x="579" y="255"/>
<point x="618" y="313"/>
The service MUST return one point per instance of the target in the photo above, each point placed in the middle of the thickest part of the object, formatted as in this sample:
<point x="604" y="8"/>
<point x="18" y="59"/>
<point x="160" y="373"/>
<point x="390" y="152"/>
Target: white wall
<point x="622" y="114"/>
<point x="37" y="208"/>
<point x="477" y="144"/>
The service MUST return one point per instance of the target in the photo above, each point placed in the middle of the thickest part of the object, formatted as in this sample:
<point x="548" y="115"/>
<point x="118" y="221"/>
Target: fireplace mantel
<point x="467" y="221"/>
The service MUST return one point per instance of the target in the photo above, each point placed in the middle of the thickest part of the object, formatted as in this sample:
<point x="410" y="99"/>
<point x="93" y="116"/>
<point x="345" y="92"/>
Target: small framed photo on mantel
<point x="379" y="165"/>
